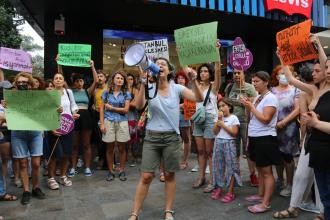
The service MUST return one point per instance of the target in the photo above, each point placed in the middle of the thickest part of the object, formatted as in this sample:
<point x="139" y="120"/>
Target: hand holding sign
<point x="241" y="58"/>
<point x="294" y="43"/>
<point x="67" y="124"/>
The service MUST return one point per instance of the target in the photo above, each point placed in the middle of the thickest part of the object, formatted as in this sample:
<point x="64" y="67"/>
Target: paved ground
<point x="94" y="198"/>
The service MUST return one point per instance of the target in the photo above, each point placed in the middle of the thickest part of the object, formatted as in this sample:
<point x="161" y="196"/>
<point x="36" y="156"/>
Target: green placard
<point x="32" y="110"/>
<point x="197" y="44"/>
<point x="74" y="54"/>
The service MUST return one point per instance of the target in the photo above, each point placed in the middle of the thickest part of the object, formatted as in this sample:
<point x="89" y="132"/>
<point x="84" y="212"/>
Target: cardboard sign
<point x="67" y="124"/>
<point x="74" y="55"/>
<point x="189" y="108"/>
<point x="33" y="110"/>
<point x="156" y="48"/>
<point x="294" y="43"/>
<point x="18" y="60"/>
<point x="241" y="58"/>
<point x="197" y="44"/>
<point x="290" y="7"/>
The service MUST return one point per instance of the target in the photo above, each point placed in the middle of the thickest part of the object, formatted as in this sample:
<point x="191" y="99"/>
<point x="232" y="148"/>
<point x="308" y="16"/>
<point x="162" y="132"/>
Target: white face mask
<point x="283" y="80"/>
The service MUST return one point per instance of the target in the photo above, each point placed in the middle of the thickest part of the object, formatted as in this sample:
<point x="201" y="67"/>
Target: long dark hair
<point x="112" y="84"/>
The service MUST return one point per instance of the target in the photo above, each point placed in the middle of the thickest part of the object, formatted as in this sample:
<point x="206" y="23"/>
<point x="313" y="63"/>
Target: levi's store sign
<point x="290" y="6"/>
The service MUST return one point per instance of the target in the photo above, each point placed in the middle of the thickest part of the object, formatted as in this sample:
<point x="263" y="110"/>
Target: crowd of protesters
<point x="270" y="121"/>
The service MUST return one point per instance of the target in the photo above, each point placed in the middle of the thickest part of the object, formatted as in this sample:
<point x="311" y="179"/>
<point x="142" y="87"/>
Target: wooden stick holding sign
<point x="67" y="125"/>
<point x="294" y="43"/>
<point x="240" y="59"/>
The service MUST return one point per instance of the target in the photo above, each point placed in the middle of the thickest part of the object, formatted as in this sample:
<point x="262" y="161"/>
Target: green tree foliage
<point x="9" y="35"/>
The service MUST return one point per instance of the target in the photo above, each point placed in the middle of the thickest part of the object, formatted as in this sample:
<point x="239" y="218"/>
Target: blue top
<point x="80" y="96"/>
<point x="117" y="102"/>
<point x="164" y="111"/>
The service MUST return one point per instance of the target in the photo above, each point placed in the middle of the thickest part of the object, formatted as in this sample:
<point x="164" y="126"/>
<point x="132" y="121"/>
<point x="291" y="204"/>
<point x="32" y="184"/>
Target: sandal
<point x="171" y="212"/>
<point x="134" y="215"/>
<point x="286" y="214"/>
<point x="319" y="217"/>
<point x="258" y="208"/>
<point x="198" y="183"/>
<point x="229" y="197"/>
<point x="161" y="177"/>
<point x="183" y="165"/>
<point x="209" y="188"/>
<point x="52" y="184"/>
<point x="64" y="180"/>
<point x="253" y="198"/>
<point x="8" y="197"/>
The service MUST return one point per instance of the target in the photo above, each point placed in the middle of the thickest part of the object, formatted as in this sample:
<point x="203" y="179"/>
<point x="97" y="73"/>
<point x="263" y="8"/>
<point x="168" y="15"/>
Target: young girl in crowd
<point x="114" y="122"/>
<point x="225" y="161"/>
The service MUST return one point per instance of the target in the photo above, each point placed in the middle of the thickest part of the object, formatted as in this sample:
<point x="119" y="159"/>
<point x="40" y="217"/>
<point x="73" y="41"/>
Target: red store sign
<point x="290" y="7"/>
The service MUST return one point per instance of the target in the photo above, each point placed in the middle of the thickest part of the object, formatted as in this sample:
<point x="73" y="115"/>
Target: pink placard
<point x="241" y="58"/>
<point x="67" y="124"/>
<point x="13" y="59"/>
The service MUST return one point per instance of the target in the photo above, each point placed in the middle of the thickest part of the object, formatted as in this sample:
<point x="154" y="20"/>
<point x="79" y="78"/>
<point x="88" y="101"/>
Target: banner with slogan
<point x="74" y="55"/>
<point x="197" y="44"/>
<point x="156" y="48"/>
<point x="189" y="108"/>
<point x="32" y="110"/>
<point x="294" y="44"/>
<point x="13" y="59"/>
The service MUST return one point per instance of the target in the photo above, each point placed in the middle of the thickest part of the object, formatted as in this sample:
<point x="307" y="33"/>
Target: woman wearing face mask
<point x="287" y="128"/>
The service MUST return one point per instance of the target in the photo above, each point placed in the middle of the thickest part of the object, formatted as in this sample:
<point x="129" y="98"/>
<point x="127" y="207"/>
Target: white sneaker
<point x="87" y="172"/>
<point x="72" y="172"/>
<point x="309" y="207"/>
<point x="207" y="170"/>
<point x="195" y="168"/>
<point x="286" y="192"/>
<point x="80" y="163"/>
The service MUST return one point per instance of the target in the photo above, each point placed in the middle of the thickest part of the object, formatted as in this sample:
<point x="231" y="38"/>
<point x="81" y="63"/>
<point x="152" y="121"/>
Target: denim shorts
<point x="205" y="129"/>
<point x="26" y="143"/>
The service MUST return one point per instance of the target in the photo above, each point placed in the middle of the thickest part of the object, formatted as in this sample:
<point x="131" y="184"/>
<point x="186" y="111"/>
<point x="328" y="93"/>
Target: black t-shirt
<point x="319" y="142"/>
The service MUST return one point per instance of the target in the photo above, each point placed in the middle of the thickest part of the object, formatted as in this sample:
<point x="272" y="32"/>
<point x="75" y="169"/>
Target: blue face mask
<point x="283" y="80"/>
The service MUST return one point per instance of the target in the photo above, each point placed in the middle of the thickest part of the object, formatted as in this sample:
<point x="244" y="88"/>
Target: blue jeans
<point x="323" y="183"/>
<point x="2" y="181"/>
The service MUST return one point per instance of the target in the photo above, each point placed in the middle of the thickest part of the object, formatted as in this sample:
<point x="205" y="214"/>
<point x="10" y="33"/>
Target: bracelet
<point x="143" y="80"/>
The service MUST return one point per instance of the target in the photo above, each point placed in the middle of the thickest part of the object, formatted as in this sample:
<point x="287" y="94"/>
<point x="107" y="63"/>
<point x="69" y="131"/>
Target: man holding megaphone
<point x="162" y="140"/>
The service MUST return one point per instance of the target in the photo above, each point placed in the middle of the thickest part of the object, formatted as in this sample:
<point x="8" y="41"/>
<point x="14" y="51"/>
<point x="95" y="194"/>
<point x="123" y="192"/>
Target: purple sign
<point x="18" y="60"/>
<point x="67" y="124"/>
<point x="241" y="58"/>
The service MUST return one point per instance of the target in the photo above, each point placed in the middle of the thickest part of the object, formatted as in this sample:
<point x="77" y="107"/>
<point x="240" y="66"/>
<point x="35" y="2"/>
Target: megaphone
<point x="135" y="55"/>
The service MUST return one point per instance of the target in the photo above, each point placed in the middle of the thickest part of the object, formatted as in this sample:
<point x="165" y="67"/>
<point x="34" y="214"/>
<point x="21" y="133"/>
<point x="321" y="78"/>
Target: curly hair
<point x="112" y="83"/>
<point x="181" y="73"/>
<point x="211" y="70"/>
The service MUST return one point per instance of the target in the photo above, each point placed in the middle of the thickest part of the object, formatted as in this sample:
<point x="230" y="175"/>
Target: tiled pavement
<point x="96" y="199"/>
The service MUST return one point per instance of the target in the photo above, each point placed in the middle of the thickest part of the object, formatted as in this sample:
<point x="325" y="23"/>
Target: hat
<point x="5" y="84"/>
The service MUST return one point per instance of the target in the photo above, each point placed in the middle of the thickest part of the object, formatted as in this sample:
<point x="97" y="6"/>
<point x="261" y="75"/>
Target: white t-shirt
<point x="229" y="122"/>
<point x="164" y="112"/>
<point x="257" y="128"/>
